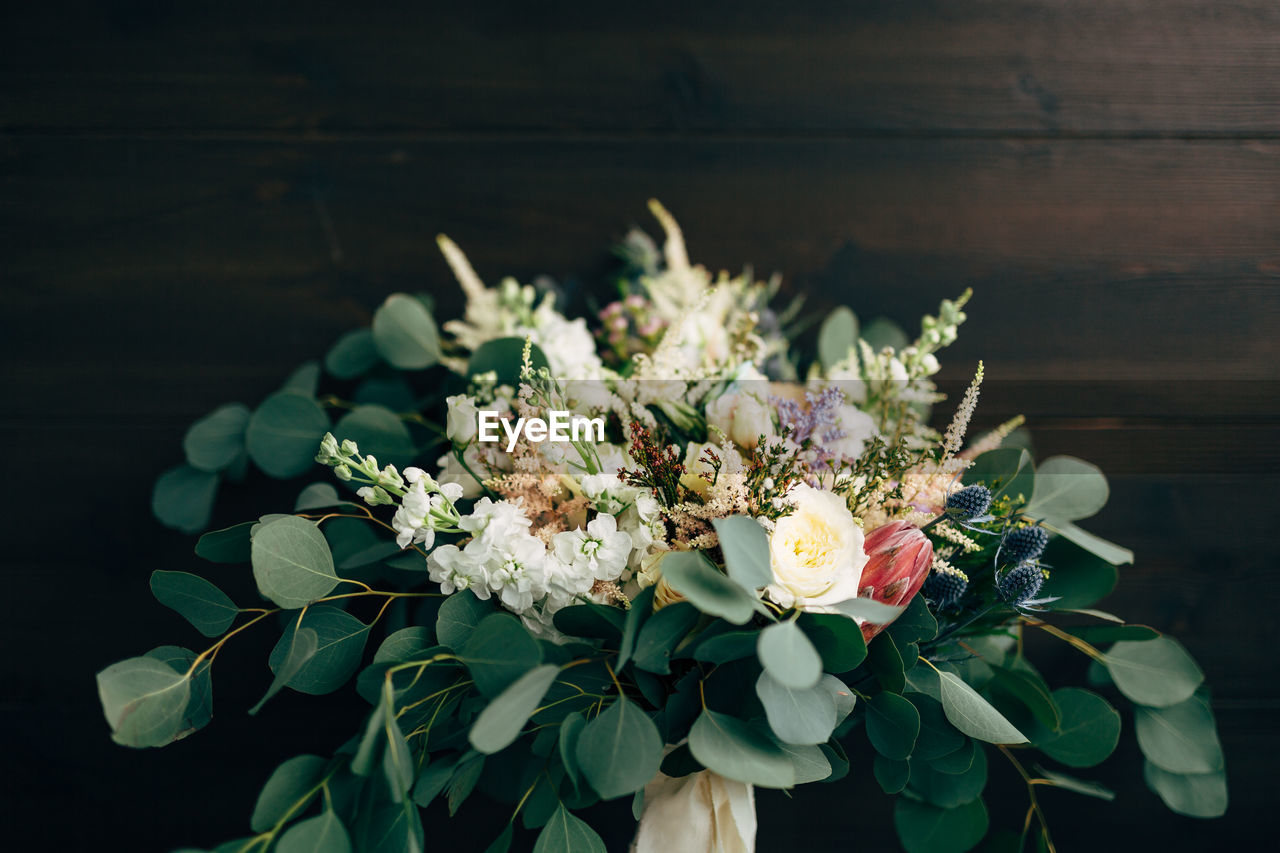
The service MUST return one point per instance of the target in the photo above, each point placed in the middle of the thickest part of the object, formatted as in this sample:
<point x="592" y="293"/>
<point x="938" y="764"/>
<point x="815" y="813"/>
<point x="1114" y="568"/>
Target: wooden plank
<point x="1164" y="67"/>
<point x="1090" y="259"/>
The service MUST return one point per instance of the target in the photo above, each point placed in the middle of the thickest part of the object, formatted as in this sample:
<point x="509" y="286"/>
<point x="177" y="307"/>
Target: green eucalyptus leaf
<point x="637" y="615"/>
<point x="570" y="730"/>
<point x="197" y="600"/>
<point x="1096" y="545"/>
<point x="1077" y="578"/>
<point x="915" y="625"/>
<point x="1078" y="786"/>
<point x="948" y="790"/>
<point x="1028" y="689"/>
<point x="923" y="828"/>
<point x="292" y="786"/>
<point x="405" y="333"/>
<point x="321" y="834"/>
<point x="868" y="610"/>
<point x="661" y="634"/>
<point x="458" y="617"/>
<point x="284" y="434"/>
<point x="1157" y="672"/>
<point x="145" y="701"/>
<point x="882" y="332"/>
<point x="301" y="649"/>
<point x="1088" y="733"/>
<point x="199" y="710"/>
<point x="317" y="496"/>
<point x="893" y="724"/>
<point x="340" y="639"/>
<point x="838" y="337"/>
<point x="228" y="545"/>
<point x="804" y="717"/>
<point x="1005" y="471"/>
<point x="354" y="354"/>
<point x="565" y="833"/>
<point x="591" y="621"/>
<point x="1067" y="489"/>
<point x="746" y="551"/>
<point x="1194" y="795"/>
<point x="838" y="640"/>
<point x="738" y="751"/>
<point x="464" y="780"/>
<point x="891" y="774"/>
<point x="619" y="751"/>
<point x="938" y="737"/>
<point x="498" y="652"/>
<point x="885" y="662"/>
<point x="505" y="357"/>
<point x="216" y="441"/>
<point x="730" y="646"/>
<point x="502" y="720"/>
<point x="1181" y="738"/>
<point x="183" y="498"/>
<point x="292" y="562"/>
<point x="502" y="843"/>
<point x="789" y="657"/>
<point x="379" y="432"/>
<point x="433" y="778"/>
<point x="397" y="761"/>
<point x="959" y="761"/>
<point x="692" y="575"/>
<point x="808" y="763"/>
<point x="973" y="715"/>
<point x="305" y="379"/>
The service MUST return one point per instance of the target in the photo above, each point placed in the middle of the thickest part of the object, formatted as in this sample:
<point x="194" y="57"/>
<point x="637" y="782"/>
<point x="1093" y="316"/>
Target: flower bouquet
<point x="663" y="555"/>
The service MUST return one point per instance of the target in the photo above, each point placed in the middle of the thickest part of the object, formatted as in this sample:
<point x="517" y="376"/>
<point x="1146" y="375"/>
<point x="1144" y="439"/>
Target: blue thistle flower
<point x="945" y="589"/>
<point x="969" y="503"/>
<point x="1023" y="544"/>
<point x="1021" y="583"/>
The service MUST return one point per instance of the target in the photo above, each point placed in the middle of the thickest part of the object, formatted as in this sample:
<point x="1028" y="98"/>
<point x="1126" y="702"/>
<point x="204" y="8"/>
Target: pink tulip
<point x="900" y="559"/>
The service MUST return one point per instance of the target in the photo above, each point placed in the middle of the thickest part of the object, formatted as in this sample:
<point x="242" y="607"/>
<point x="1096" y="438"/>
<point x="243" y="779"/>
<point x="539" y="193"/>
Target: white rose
<point x="462" y="420"/>
<point x="742" y="417"/>
<point x="816" y="551"/>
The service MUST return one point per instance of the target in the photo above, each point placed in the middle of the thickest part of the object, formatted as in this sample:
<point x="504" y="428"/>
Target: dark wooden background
<point x="195" y="197"/>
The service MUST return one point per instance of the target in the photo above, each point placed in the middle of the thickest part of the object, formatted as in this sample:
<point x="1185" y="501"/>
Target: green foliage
<point x="500" y="723"/>
<point x="746" y="551"/>
<point x="692" y="575"/>
<point x="404" y="333"/>
<point x="284" y="432"/>
<point x="1180" y="738"/>
<point x="738" y="751"/>
<point x="924" y="828"/>
<point x="1193" y="795"/>
<point x="1006" y="471"/>
<point x="838" y="337"/>
<point x="1157" y="672"/>
<point x="292" y="785"/>
<point x="620" y="750"/>
<point x="1078" y="578"/>
<point x="292" y="563"/>
<point x="565" y="833"/>
<point x="800" y="716"/>
<point x="789" y="657"/>
<point x="1029" y="689"/>
<point x="893" y="724"/>
<point x="302" y="648"/>
<point x="458" y="618"/>
<point x="216" y="441"/>
<point x="197" y="600"/>
<point x="973" y="715"/>
<point x="321" y="834"/>
<point x="379" y="432"/>
<point x="183" y="498"/>
<point x="498" y="652"/>
<point x="505" y="357"/>
<point x="228" y="545"/>
<point x="340" y="639"/>
<point x="354" y="354"/>
<point x="1088" y="732"/>
<point x="661" y="633"/>
<point x="145" y="700"/>
<point x="1067" y="489"/>
<point x="949" y="790"/>
<point x="838" y="640"/>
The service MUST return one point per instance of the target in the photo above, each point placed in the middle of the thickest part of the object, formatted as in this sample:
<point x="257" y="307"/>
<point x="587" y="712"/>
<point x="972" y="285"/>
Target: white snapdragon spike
<point x="425" y="508"/>
<point x="600" y="552"/>
<point x="457" y="570"/>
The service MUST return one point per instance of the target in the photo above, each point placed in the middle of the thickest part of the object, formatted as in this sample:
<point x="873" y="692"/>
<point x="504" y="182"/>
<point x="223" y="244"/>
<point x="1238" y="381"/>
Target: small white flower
<point x="491" y="523"/>
<point x="600" y="551"/>
<point x="456" y="570"/>
<point x="462" y="421"/>
<point x="742" y="417"/>
<point x="516" y="572"/>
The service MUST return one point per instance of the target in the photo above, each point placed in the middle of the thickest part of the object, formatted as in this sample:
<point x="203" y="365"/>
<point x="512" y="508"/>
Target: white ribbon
<point x="699" y="813"/>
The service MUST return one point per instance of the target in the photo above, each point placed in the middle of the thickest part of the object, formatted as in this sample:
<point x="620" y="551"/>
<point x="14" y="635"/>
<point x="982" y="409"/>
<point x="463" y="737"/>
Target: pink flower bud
<point x="900" y="559"/>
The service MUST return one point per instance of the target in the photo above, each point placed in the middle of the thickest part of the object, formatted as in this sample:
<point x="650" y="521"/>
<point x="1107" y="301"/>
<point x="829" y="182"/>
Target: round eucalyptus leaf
<point x="379" y="432"/>
<point x="144" y="700"/>
<point x="838" y="337"/>
<point x="789" y="657"/>
<point x="619" y="751"/>
<point x="746" y="551"/>
<point x="284" y="434"/>
<point x="1181" y="738"/>
<point x="566" y="833"/>
<point x="837" y="638"/>
<point x="459" y="615"/>
<point x="183" y="498"/>
<point x="502" y="720"/>
<point x="735" y="750"/>
<point x="1089" y="731"/>
<point x="973" y="715"/>
<point x="803" y="717"/>
<point x="216" y="441"/>
<point x="923" y="828"/>
<point x="1005" y="471"/>
<point x="321" y="834"/>
<point x="197" y="600"/>
<point x="354" y="354"/>
<point x="405" y="333"/>
<point x="891" y="774"/>
<point x="340" y="639"/>
<point x="692" y="575"/>
<point x="948" y="790"/>
<point x="304" y="380"/>
<point x="1067" y="489"/>
<point x="291" y="787"/>
<point x="661" y="633"/>
<point x="292" y="562"/>
<point x="498" y="652"/>
<point x="1155" y="672"/>
<point x="1079" y="578"/>
<point x="228" y="545"/>
<point x="1194" y="795"/>
<point x="893" y="724"/>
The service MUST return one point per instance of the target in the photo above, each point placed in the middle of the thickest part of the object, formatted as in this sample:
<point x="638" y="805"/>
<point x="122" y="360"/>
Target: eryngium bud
<point x="968" y="503"/>
<point x="1021" y="584"/>
<point x="945" y="589"/>
<point x="1025" y="543"/>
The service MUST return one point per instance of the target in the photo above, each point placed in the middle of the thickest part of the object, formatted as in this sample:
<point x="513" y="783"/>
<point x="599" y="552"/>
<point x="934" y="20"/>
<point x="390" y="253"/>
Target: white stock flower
<point x="858" y="427"/>
<point x="454" y="472"/>
<point x="490" y="523"/>
<point x="600" y="552"/>
<point x="816" y="551"/>
<point x="462" y="421"/>
<point x="418" y="516"/>
<point x="457" y="570"/>
<point x="516" y="571"/>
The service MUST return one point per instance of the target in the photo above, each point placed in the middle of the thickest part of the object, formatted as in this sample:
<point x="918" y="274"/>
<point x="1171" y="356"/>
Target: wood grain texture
<point x="196" y="197"/>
